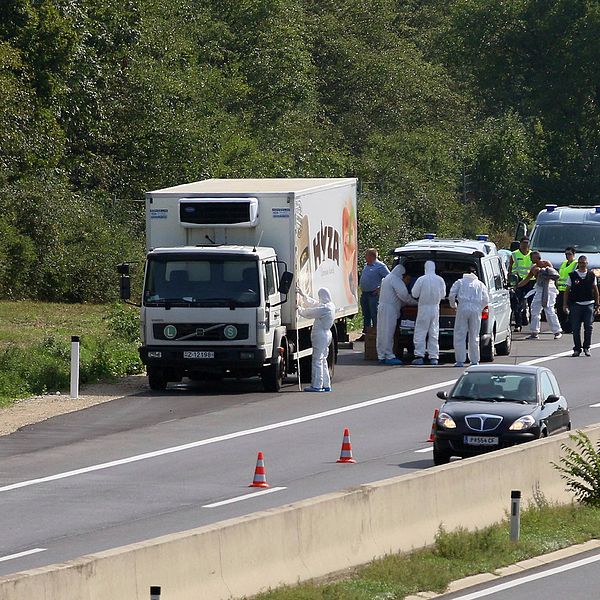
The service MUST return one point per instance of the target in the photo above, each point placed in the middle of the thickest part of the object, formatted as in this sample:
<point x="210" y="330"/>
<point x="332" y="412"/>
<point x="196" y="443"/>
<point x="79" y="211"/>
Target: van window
<point x="489" y="276"/>
<point x="496" y="272"/>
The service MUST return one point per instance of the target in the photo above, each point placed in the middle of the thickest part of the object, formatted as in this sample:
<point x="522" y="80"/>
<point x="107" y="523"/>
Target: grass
<point x="455" y="555"/>
<point x="35" y="345"/>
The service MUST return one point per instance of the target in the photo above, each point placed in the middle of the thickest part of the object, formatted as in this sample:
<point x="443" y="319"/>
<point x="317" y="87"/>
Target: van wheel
<point x="157" y="379"/>
<point x="503" y="348"/>
<point x="488" y="351"/>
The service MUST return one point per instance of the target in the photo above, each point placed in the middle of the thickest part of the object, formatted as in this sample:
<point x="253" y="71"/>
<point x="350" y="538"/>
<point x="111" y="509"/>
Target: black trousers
<point x="565" y="321"/>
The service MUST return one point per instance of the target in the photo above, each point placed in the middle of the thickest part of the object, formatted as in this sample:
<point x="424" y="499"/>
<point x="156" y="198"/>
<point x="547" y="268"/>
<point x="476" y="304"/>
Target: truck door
<point x="272" y="297"/>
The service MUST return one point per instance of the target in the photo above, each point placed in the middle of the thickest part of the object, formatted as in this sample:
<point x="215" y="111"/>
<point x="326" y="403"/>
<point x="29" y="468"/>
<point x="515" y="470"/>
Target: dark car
<point x="498" y="406"/>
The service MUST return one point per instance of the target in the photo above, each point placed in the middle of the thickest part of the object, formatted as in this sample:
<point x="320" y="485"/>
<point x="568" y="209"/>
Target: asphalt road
<point x="575" y="578"/>
<point x="147" y="465"/>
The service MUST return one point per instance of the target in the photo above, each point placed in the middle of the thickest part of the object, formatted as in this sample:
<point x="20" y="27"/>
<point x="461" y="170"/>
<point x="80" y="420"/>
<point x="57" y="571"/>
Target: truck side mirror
<point x="125" y="287"/>
<point x="285" y="282"/>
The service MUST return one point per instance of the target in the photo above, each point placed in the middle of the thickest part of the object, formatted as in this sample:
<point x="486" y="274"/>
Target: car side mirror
<point x="552" y="398"/>
<point x="442" y="395"/>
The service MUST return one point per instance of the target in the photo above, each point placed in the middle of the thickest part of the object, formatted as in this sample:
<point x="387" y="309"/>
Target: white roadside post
<point x="515" y="515"/>
<point x="74" y="366"/>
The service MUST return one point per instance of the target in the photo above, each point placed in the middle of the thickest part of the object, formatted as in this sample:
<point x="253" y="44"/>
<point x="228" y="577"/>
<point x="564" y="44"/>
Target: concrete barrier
<point x="308" y="539"/>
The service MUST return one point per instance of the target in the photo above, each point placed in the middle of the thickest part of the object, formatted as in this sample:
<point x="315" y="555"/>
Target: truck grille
<point x="200" y="332"/>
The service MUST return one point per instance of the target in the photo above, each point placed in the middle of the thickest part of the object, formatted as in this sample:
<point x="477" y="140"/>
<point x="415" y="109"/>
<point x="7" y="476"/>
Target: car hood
<point x="509" y="410"/>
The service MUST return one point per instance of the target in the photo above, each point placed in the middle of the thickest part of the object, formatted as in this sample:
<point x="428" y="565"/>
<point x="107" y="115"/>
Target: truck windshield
<point x="555" y="238"/>
<point x="183" y="281"/>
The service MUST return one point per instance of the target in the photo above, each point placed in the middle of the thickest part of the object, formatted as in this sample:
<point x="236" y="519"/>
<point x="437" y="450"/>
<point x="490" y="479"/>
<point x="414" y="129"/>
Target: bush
<point x="580" y="467"/>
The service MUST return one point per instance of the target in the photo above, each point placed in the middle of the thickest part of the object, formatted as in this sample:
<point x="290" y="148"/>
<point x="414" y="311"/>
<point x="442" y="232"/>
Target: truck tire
<point x="157" y="379"/>
<point x="273" y="375"/>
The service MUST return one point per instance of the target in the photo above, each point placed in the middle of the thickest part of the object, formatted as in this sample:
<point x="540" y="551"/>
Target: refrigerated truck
<point x="225" y="258"/>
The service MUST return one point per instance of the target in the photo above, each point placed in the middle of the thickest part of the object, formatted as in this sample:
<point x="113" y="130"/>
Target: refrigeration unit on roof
<point x="218" y="212"/>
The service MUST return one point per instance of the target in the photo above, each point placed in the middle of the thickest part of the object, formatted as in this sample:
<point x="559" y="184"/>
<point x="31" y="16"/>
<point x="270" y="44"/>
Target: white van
<point x="451" y="257"/>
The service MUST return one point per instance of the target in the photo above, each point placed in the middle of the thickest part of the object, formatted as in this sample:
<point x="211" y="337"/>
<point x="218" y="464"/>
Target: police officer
<point x="520" y="264"/>
<point x="566" y="267"/>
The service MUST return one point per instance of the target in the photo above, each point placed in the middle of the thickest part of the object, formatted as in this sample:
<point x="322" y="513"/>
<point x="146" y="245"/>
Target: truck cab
<point x="210" y="312"/>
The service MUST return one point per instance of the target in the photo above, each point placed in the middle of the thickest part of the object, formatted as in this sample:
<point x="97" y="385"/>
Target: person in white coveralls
<point x="393" y="295"/>
<point x="469" y="296"/>
<point x="430" y="290"/>
<point x="323" y="312"/>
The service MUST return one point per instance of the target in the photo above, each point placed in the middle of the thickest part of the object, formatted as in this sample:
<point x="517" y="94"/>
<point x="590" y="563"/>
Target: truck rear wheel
<point x="157" y="379"/>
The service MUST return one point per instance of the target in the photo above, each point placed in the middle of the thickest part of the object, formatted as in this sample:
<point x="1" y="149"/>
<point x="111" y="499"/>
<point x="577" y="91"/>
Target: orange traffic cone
<point x="436" y="412"/>
<point x="346" y="453"/>
<point x="260" y="476"/>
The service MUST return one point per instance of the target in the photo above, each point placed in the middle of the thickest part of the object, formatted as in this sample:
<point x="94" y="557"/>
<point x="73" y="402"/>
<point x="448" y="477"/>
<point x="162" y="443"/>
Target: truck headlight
<point x="522" y="423"/>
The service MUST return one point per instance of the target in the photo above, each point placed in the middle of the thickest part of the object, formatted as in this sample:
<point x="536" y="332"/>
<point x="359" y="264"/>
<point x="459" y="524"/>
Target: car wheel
<point x="440" y="457"/>
<point x="157" y="379"/>
<point x="503" y="348"/>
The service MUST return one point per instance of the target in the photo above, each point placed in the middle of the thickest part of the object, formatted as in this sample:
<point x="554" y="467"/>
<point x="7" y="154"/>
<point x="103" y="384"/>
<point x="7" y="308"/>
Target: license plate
<point x="478" y="440"/>
<point x="198" y="354"/>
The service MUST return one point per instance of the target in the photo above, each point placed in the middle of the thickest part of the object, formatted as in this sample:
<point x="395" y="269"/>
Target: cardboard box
<point x="371" y="343"/>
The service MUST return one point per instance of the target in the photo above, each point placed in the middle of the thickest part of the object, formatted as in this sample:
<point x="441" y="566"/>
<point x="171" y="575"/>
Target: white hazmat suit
<point x="323" y="312"/>
<point x="472" y="297"/>
<point x="430" y="290"/>
<point x="393" y="295"/>
<point x="545" y="293"/>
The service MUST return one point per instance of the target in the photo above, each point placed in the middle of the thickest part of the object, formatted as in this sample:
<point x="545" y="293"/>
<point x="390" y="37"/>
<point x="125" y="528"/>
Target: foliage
<point x="580" y="468"/>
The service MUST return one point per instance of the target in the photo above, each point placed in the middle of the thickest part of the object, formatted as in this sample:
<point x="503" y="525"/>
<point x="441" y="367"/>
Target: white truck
<point x="218" y="299"/>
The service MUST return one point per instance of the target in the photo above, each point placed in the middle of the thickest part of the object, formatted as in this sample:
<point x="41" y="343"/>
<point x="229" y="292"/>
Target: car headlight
<point x="446" y="421"/>
<point x="522" y="423"/>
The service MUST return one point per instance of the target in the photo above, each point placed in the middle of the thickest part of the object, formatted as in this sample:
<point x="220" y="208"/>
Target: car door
<point x="552" y="412"/>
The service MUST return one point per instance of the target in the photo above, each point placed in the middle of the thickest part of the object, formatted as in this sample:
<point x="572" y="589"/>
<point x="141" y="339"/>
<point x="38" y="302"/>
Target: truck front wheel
<point x="273" y="375"/>
<point x="157" y="379"/>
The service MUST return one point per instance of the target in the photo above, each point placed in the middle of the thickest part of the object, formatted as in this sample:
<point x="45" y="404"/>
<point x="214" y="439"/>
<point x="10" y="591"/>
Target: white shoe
<point x="558" y="335"/>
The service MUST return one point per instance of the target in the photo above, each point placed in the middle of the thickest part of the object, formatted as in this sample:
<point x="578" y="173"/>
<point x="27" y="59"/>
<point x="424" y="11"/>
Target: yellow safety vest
<point x="563" y="274"/>
<point x="521" y="263"/>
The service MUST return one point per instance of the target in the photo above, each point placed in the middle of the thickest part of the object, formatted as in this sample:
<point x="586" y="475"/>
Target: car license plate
<point x="479" y="440"/>
<point x="198" y="354"/>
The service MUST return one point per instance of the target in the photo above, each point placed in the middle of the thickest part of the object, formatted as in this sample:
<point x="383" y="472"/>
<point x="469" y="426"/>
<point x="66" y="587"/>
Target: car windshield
<point x="495" y="385"/>
<point x="555" y="238"/>
<point x="184" y="281"/>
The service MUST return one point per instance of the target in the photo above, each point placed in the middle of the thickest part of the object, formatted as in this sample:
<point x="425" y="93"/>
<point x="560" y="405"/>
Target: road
<point x="148" y="465"/>
<point x="574" y="578"/>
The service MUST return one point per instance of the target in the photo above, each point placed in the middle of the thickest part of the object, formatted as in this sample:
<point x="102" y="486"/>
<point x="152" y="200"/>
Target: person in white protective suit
<point x="323" y="312"/>
<point x="393" y="295"/>
<point x="472" y="297"/>
<point x="544" y="296"/>
<point x="429" y="290"/>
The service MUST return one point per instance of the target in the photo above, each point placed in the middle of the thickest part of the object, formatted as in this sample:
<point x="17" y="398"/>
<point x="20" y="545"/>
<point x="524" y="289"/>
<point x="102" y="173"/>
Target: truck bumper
<point x="214" y="359"/>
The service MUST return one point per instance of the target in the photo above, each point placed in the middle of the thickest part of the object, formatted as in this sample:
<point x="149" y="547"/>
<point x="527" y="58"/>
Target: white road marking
<point x="255" y="430"/>
<point x="425" y="449"/>
<point x="597" y="405"/>
<point x="522" y="580"/>
<point x="244" y="497"/>
<point x="21" y="554"/>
